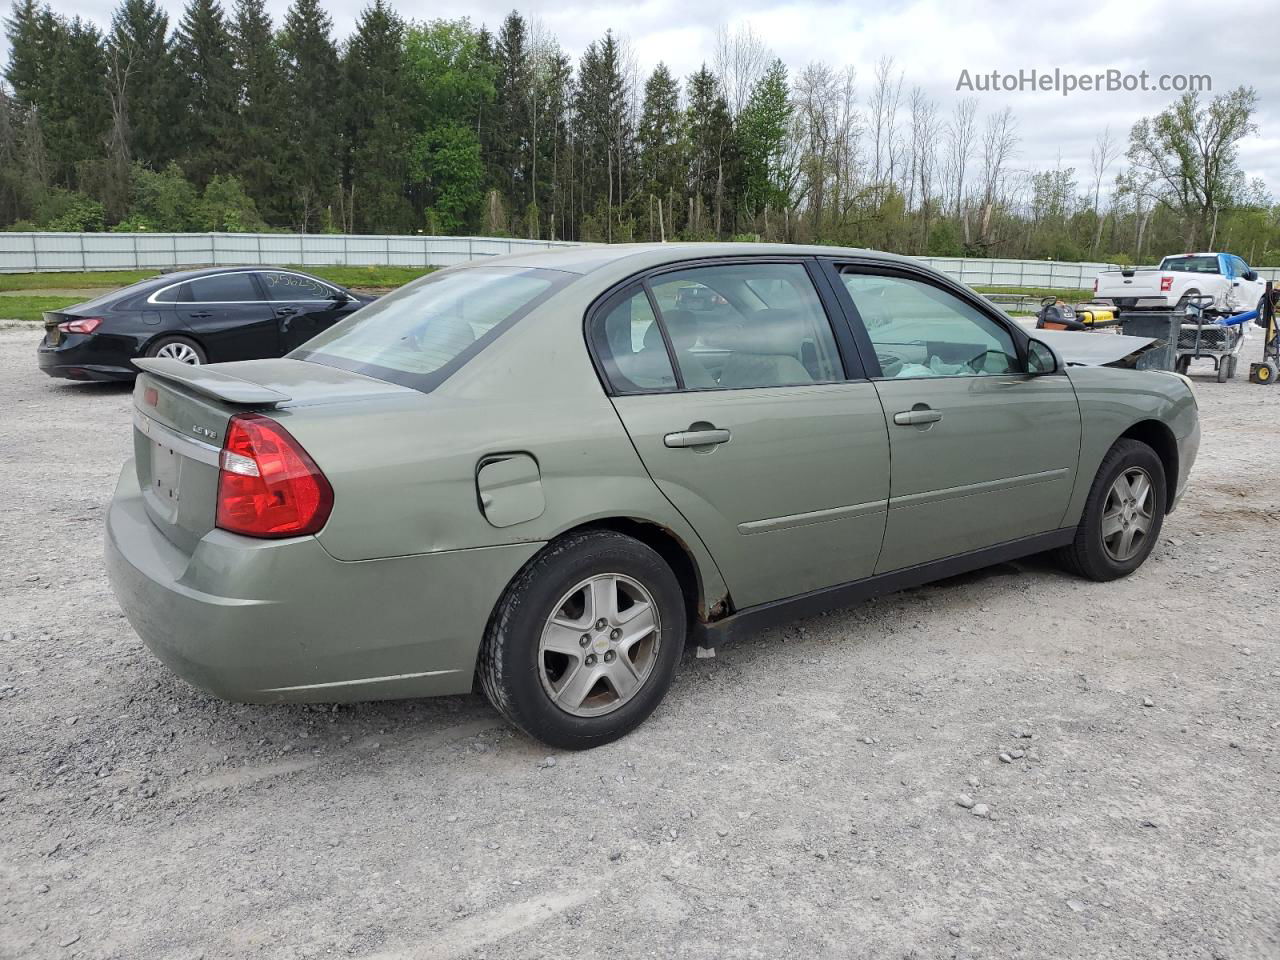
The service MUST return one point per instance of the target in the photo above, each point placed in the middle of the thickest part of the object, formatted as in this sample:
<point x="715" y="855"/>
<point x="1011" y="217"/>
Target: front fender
<point x="1113" y="402"/>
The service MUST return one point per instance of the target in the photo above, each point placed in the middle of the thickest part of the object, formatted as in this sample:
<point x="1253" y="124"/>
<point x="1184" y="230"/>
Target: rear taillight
<point x="268" y="486"/>
<point x="1166" y="284"/>
<point x="83" y="325"/>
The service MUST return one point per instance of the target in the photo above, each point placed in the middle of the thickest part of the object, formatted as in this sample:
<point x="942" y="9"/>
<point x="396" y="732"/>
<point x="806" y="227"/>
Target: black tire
<point x="1087" y="556"/>
<point x="158" y="345"/>
<point x="1182" y="365"/>
<point x="1224" y="369"/>
<point x="509" y="667"/>
<point x="1186" y="298"/>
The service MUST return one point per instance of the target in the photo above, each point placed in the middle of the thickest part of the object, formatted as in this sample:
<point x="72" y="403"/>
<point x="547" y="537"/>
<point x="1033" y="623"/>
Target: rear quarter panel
<point x="1111" y="401"/>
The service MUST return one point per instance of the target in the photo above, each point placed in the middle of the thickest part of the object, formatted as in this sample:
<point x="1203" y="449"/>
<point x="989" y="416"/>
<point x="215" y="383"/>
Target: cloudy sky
<point x="931" y="42"/>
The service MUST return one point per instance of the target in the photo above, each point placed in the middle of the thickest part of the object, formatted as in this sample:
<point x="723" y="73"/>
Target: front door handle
<point x="908" y="418"/>
<point x="286" y="311"/>
<point x="696" y="438"/>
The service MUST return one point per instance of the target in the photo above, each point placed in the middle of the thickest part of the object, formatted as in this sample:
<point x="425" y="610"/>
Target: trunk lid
<point x="52" y="335"/>
<point x="180" y="419"/>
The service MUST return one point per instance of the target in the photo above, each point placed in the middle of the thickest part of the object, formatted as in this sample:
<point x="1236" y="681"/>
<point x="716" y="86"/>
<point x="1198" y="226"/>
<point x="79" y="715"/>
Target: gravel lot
<point x="796" y="796"/>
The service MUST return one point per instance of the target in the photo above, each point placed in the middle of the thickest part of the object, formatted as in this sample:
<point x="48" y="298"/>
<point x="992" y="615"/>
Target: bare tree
<point x="882" y="107"/>
<point x="960" y="132"/>
<point x="999" y="144"/>
<point x="740" y="60"/>
<point x="1104" y="152"/>
<point x="923" y="160"/>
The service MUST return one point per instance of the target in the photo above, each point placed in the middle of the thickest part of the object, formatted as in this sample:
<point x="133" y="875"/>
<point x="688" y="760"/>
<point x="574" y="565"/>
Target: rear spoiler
<point x="211" y="382"/>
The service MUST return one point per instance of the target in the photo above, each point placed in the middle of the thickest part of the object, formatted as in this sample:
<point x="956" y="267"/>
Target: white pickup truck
<point x="1232" y="284"/>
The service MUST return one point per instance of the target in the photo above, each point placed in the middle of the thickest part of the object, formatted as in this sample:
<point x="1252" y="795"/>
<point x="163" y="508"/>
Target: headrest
<point x="653" y="339"/>
<point x="771" y="332"/>
<point x="682" y="327"/>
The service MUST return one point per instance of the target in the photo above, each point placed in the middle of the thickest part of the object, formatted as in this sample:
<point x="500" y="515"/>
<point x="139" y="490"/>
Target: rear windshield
<point x="1190" y="264"/>
<point x="423" y="332"/>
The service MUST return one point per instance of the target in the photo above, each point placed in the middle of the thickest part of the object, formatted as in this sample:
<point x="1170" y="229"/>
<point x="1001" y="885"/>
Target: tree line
<point x="227" y="121"/>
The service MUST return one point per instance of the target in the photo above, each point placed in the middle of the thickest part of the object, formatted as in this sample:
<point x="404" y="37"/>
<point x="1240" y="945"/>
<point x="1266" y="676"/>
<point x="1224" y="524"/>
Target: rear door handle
<point x="200" y="316"/>
<point x="909" y="418"/>
<point x="696" y="438"/>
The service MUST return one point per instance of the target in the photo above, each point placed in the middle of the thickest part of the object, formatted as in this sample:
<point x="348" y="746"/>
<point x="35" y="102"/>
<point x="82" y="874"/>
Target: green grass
<point x="72" y="281"/>
<point x="30" y="308"/>
<point x="358" y="277"/>
<point x="344" y="276"/>
<point x="1071" y="296"/>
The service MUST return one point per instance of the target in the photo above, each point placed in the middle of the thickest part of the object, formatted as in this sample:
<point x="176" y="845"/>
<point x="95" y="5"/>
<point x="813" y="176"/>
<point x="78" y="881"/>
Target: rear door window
<point x="221" y="288"/>
<point x="742" y="325"/>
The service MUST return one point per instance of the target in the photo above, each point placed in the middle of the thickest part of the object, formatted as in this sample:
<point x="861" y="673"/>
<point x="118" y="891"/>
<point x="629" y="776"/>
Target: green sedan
<point x="549" y="472"/>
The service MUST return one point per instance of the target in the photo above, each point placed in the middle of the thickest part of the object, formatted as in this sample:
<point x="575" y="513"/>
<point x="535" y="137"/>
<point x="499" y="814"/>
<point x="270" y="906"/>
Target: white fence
<point x="31" y="252"/>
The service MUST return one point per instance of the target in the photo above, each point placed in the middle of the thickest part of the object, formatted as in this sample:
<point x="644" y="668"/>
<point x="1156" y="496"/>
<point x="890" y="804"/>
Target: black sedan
<point x="196" y="316"/>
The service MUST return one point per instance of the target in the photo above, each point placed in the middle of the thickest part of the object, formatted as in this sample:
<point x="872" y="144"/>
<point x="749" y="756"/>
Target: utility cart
<point x="1204" y="333"/>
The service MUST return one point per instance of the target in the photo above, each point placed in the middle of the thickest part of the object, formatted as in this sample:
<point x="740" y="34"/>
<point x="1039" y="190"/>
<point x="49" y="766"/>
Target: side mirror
<point x="1041" y="359"/>
<point x="1251" y="276"/>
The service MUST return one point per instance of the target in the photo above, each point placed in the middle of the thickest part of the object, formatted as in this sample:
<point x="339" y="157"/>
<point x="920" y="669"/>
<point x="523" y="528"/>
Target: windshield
<point x="1190" y="264"/>
<point x="423" y="332"/>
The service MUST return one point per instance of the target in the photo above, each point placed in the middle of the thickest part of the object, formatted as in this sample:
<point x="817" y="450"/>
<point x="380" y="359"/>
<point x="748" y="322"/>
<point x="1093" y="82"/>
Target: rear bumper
<point x="86" y="357"/>
<point x="267" y="621"/>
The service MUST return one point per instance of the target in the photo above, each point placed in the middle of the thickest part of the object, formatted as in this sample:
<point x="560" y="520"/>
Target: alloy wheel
<point x="1126" y="516"/>
<point x="183" y="352"/>
<point x="599" y="645"/>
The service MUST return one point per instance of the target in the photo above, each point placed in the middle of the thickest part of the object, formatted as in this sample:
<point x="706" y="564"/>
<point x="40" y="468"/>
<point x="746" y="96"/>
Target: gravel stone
<point x="236" y="826"/>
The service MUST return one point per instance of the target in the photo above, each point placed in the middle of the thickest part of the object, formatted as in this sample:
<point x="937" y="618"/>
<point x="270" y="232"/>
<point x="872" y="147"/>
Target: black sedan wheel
<point x="178" y="348"/>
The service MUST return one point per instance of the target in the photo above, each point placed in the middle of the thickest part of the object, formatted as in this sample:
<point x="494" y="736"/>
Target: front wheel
<point x="1123" y="515"/>
<point x="586" y="640"/>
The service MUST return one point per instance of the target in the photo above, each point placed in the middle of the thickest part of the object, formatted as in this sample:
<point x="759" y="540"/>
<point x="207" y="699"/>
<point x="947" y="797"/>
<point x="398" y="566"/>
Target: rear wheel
<point x="1123" y="515"/>
<point x="178" y="348"/>
<point x="1186" y="298"/>
<point x="585" y="642"/>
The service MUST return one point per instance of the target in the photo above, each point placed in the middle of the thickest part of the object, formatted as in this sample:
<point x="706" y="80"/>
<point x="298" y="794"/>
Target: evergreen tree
<point x="75" y="116"/>
<point x="604" y="139"/>
<point x="312" y="118"/>
<point x="512" y="134"/>
<point x="141" y="74"/>
<point x="377" y="121"/>
<point x="209" y="91"/>
<point x="763" y="128"/>
<point x="34" y="34"/>
<point x="258" y="141"/>
<point x="662" y="146"/>
<point x="711" y="153"/>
